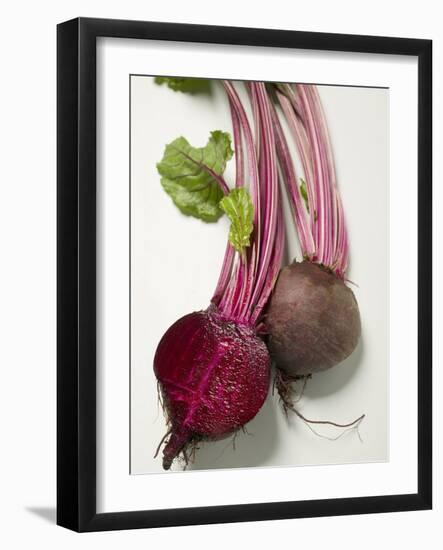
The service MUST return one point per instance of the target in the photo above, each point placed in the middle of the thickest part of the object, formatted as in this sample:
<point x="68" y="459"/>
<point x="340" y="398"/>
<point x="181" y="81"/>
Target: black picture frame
<point x="76" y="274"/>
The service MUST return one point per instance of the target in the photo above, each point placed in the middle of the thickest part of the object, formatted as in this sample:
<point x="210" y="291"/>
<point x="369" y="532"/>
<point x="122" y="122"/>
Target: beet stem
<point x="304" y="114"/>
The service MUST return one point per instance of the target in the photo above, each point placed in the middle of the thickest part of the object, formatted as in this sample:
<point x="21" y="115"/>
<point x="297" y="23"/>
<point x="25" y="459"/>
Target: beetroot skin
<point x="214" y="378"/>
<point x="313" y="320"/>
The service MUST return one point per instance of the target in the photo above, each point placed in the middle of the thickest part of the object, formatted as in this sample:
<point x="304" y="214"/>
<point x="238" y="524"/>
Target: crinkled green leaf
<point x="185" y="85"/>
<point x="240" y="210"/>
<point x="185" y="177"/>
<point x="304" y="193"/>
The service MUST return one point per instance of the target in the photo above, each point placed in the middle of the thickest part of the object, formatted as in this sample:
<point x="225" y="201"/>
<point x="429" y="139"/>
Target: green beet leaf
<point x="240" y="210"/>
<point x="185" y="175"/>
<point x="185" y="85"/>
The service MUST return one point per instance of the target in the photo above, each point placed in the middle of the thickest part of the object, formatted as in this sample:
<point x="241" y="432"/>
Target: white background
<point x="176" y="274"/>
<point x="27" y="219"/>
<point x="116" y="489"/>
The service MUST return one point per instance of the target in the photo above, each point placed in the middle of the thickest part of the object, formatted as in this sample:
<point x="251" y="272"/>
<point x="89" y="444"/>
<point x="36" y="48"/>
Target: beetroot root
<point x="214" y="377"/>
<point x="313" y="320"/>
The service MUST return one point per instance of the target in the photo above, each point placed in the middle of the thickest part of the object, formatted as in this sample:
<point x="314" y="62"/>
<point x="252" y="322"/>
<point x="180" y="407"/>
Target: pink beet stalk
<point x="290" y="177"/>
<point x="304" y="114"/>
<point x="253" y="276"/>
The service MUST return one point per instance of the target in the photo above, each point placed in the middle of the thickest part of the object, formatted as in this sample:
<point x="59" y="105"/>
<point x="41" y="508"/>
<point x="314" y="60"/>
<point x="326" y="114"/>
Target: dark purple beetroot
<point x="214" y="378"/>
<point x="313" y="320"/>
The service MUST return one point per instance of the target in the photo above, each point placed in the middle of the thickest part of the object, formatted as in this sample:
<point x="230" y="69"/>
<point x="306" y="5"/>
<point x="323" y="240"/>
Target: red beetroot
<point x="313" y="320"/>
<point x="214" y="377"/>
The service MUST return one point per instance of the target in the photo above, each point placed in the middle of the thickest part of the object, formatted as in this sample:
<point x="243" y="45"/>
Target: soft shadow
<point x="332" y="380"/>
<point x="252" y="448"/>
<point x="48" y="514"/>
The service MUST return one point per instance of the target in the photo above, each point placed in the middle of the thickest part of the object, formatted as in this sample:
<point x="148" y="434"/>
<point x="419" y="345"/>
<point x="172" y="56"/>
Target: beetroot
<point x="214" y="376"/>
<point x="313" y="320"/>
<point x="212" y="368"/>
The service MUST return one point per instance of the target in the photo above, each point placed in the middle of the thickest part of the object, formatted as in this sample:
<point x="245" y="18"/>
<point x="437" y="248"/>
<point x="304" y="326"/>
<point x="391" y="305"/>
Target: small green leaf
<point x="186" y="179"/>
<point x="304" y="193"/>
<point x="185" y="85"/>
<point x="240" y="210"/>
